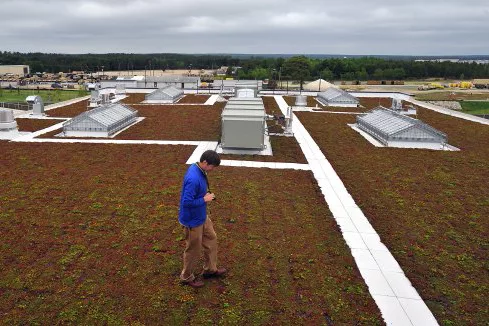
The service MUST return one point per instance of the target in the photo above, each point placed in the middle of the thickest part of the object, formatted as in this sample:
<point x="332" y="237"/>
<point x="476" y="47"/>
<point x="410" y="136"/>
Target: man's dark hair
<point x="211" y="157"/>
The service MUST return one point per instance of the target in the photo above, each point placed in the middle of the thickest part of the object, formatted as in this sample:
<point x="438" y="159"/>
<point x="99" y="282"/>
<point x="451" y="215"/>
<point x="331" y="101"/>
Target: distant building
<point x="177" y="81"/>
<point x="16" y="70"/>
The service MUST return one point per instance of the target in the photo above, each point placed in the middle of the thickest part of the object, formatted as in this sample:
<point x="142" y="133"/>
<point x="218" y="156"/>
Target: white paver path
<point x="211" y="100"/>
<point x="397" y="299"/>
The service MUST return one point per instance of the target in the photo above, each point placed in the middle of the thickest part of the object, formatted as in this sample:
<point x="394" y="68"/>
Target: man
<point x="198" y="228"/>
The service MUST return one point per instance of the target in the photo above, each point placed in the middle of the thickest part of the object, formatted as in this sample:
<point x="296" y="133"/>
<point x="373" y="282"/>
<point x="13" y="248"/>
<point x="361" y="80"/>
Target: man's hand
<point x="209" y="197"/>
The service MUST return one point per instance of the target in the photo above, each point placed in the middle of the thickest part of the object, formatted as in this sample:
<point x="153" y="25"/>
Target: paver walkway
<point x="211" y="100"/>
<point x="397" y="299"/>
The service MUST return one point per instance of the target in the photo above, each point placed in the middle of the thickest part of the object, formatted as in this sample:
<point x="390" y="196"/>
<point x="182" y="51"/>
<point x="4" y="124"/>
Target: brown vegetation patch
<point x="171" y="122"/>
<point x="372" y="102"/>
<point x="285" y="149"/>
<point x="133" y="98"/>
<point x="429" y="207"/>
<point x="32" y="125"/>
<point x="194" y="99"/>
<point x="69" y="111"/>
<point x="176" y="122"/>
<point x="105" y="245"/>
<point x="271" y="106"/>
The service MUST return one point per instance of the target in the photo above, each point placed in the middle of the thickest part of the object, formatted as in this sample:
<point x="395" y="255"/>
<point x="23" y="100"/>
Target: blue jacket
<point x="193" y="208"/>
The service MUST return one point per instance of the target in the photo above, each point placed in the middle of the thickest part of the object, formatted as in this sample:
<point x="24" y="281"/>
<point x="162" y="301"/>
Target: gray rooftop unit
<point x="395" y="130"/>
<point x="103" y="121"/>
<point x="166" y="95"/>
<point x="35" y="101"/>
<point x="255" y="107"/>
<point x="246" y="99"/>
<point x="245" y="103"/>
<point x="246" y="89"/>
<point x="95" y="98"/>
<point x="244" y="129"/>
<point x="336" y="97"/>
<point x="7" y="121"/>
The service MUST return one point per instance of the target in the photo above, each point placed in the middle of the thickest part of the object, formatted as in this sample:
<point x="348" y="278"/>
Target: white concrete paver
<point x="201" y="148"/>
<point x="392" y="311"/>
<point x="385" y="279"/>
<point x="211" y="100"/>
<point x="418" y="312"/>
<point x="377" y="284"/>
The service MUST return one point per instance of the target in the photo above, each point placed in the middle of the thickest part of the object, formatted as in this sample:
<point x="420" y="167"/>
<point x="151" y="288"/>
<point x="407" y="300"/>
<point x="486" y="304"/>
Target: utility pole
<point x="280" y="77"/>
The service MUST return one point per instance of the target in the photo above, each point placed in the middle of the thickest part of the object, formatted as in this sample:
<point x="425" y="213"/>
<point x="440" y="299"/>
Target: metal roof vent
<point x="396" y="104"/>
<point x="94" y="99"/>
<point x="7" y="121"/>
<point x="35" y="101"/>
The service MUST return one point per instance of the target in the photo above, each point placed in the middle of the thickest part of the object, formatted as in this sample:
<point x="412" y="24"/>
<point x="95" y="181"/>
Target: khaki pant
<point x="196" y="239"/>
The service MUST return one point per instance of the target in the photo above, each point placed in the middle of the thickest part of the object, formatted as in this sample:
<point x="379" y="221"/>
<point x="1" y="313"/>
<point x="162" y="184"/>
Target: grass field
<point x="48" y="96"/>
<point x="475" y="107"/>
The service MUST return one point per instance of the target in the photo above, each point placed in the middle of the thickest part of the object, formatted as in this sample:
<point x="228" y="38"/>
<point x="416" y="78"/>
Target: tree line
<point x="254" y="67"/>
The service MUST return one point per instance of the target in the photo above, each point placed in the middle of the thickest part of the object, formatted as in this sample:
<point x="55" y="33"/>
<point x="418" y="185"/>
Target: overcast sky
<point x="407" y="27"/>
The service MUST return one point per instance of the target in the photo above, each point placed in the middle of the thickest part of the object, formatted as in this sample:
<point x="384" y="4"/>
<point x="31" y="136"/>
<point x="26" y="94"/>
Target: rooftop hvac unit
<point x="239" y="106"/>
<point x="396" y="104"/>
<point x="35" y="101"/>
<point x="7" y="121"/>
<point x="243" y="129"/>
<point x="246" y="92"/>
<point x="245" y="99"/>
<point x="94" y="99"/>
<point x="105" y="98"/>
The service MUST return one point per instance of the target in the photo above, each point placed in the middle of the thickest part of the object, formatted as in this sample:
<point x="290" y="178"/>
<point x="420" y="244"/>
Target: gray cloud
<point x="251" y="26"/>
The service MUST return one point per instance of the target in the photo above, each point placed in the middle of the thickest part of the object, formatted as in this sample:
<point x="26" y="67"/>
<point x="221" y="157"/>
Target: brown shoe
<point x="195" y="283"/>
<point x="220" y="272"/>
